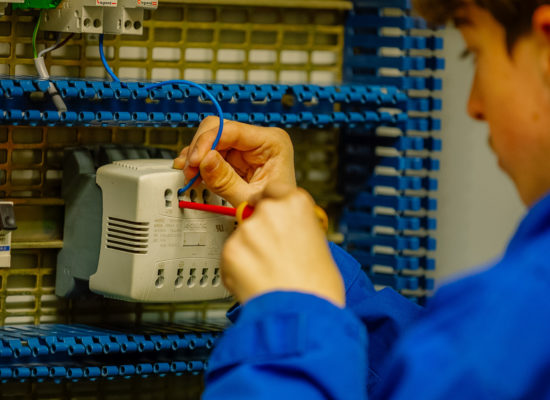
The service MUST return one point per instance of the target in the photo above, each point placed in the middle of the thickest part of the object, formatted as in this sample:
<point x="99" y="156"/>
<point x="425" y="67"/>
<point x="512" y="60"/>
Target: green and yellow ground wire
<point x="34" y="34"/>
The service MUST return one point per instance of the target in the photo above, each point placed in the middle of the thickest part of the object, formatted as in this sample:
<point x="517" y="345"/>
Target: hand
<point x="247" y="159"/>
<point x="281" y="247"/>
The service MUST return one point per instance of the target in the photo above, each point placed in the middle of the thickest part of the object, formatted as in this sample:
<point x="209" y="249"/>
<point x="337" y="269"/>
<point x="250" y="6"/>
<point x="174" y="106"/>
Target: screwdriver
<point x="243" y="211"/>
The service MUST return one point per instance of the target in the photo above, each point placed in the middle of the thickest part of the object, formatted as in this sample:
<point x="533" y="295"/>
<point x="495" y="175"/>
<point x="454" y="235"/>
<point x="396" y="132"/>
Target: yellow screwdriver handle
<point x="323" y="218"/>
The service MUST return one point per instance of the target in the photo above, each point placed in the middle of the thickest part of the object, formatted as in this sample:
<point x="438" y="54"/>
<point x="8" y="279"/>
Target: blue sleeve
<point x="289" y="345"/>
<point x="385" y="313"/>
<point x="483" y="337"/>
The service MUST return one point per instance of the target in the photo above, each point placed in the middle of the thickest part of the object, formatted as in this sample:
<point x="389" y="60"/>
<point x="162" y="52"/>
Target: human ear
<point x="541" y="21"/>
<point x="541" y="30"/>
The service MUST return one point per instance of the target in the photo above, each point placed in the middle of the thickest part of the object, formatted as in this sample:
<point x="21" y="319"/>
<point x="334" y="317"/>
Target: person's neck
<point x="533" y="196"/>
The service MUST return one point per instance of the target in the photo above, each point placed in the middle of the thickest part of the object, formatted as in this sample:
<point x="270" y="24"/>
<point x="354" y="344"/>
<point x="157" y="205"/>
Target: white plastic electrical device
<point x="4" y="5"/>
<point x="117" y="17"/>
<point x="151" y="250"/>
<point x="7" y="225"/>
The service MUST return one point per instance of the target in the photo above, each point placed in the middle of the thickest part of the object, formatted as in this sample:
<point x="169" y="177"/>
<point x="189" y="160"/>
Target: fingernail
<point x="179" y="162"/>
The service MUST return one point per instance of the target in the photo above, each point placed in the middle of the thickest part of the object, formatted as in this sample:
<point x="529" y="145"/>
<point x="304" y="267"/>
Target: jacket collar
<point x="533" y="225"/>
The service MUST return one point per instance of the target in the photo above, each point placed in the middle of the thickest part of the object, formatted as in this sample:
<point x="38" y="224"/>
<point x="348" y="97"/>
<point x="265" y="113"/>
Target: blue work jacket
<point x="486" y="336"/>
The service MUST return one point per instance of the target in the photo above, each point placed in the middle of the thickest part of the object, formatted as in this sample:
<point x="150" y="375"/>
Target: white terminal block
<point x="127" y="17"/>
<point x="151" y="250"/>
<point x="97" y="16"/>
<point x="4" y="5"/>
<point x="5" y="249"/>
<point x="5" y="234"/>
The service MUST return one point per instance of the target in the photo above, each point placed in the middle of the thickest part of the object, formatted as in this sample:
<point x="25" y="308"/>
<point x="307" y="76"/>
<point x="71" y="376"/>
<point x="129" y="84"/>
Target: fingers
<point x="243" y="168"/>
<point x="209" y="123"/>
<point x="281" y="247"/>
<point x="188" y="172"/>
<point x="256" y="154"/>
<point x="221" y="178"/>
<point x="236" y="135"/>
<point x="179" y="161"/>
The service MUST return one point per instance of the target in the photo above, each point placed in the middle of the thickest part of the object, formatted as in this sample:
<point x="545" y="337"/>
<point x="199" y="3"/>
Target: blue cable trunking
<point x="387" y="176"/>
<point x="74" y="352"/>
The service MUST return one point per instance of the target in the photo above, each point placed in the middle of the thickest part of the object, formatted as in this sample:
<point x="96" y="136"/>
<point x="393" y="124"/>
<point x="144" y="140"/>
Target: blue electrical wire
<point x="218" y="109"/>
<point x="104" y="60"/>
<point x="176" y="81"/>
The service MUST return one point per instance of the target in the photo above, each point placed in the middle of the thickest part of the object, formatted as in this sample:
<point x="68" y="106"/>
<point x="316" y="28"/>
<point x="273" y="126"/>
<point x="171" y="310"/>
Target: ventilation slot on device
<point x="128" y="236"/>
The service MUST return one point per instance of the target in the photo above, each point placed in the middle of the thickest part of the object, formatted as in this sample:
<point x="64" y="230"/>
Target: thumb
<point x="220" y="177"/>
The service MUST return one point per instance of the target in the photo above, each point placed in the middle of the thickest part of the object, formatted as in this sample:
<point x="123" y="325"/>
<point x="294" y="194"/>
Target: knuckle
<point x="228" y="250"/>
<point x="226" y="276"/>
<point x="229" y="122"/>
<point x="262" y="206"/>
<point x="206" y="138"/>
<point x="222" y="182"/>
<point x="279" y="131"/>
<point x="303" y="197"/>
<point x="202" y="137"/>
<point x="282" y="134"/>
<point x="210" y="120"/>
<point x="184" y="151"/>
<point x="227" y="281"/>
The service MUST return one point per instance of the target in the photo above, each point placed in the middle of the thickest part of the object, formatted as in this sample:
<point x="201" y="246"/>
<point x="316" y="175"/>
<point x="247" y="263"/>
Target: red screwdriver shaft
<point x="209" y="208"/>
<point x="232" y="212"/>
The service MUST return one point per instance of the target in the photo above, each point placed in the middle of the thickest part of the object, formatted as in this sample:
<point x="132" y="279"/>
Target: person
<point x="311" y="325"/>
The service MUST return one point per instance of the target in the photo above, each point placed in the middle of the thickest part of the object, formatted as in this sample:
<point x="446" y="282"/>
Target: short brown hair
<point x="514" y="15"/>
